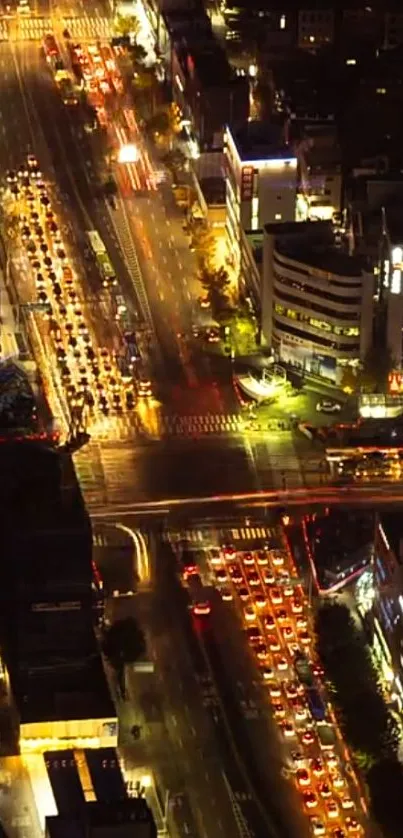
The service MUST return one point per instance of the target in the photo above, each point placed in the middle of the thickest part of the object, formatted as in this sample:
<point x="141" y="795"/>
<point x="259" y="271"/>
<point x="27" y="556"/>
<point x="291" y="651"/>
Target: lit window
<point x="381" y="90"/>
<point x="351" y="62"/>
<point x="312" y="39"/>
<point x="282" y="22"/>
<point x="278" y="216"/>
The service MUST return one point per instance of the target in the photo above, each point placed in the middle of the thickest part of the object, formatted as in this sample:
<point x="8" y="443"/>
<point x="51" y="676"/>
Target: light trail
<point x="296" y="497"/>
<point x="141" y="551"/>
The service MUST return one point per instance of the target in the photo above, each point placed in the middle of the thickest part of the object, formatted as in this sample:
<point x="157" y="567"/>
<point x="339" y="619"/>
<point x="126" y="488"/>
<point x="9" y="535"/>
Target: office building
<point x="48" y="604"/>
<point x="319" y="159"/>
<point x="261" y="181"/>
<point x="207" y="90"/>
<point x="316" y="301"/>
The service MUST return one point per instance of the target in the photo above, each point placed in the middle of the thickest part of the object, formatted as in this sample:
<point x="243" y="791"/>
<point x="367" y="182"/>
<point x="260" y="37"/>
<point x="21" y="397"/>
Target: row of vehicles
<point x="91" y="382"/>
<point x="268" y="597"/>
<point x="63" y="78"/>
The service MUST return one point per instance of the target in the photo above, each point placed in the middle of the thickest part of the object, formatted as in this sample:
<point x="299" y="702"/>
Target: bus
<point x="104" y="264"/>
<point x="316" y="704"/>
<point x="51" y="50"/>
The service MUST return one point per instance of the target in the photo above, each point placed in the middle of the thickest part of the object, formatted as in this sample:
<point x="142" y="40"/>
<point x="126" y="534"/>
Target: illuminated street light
<point x="128" y="153"/>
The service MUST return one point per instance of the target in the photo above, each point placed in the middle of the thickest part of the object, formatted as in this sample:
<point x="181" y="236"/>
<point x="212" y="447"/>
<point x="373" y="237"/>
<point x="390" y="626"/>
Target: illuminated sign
<point x="395" y="382"/>
<point x="247" y="183"/>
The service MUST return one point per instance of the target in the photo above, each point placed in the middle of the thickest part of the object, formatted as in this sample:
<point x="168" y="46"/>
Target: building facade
<point x="317" y="303"/>
<point x="261" y="181"/>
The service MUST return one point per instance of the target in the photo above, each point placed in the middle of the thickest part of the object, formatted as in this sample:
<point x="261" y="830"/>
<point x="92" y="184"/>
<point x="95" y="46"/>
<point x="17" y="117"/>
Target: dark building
<point x="47" y="600"/>
<point x="131" y="818"/>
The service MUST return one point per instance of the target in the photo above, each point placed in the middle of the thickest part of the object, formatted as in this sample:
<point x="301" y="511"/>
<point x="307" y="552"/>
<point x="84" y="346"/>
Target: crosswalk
<point x="34" y="28"/>
<point x="203" y="536"/>
<point x="209" y="423"/>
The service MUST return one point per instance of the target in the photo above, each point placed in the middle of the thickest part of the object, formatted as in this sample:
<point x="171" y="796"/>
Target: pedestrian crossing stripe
<point x="204" y="536"/>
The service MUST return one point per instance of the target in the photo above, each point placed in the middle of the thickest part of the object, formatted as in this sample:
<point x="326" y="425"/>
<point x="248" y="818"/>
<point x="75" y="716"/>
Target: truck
<point x="316" y="704"/>
<point x="326" y="736"/>
<point x="303" y="669"/>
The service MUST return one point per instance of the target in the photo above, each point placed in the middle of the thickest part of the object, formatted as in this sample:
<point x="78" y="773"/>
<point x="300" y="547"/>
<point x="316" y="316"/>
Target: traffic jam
<point x="89" y="380"/>
<point x="95" y="69"/>
<point x="267" y="594"/>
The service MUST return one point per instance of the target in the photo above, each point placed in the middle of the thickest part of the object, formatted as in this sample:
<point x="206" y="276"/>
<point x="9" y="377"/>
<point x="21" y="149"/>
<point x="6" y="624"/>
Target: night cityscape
<point x="201" y="419"/>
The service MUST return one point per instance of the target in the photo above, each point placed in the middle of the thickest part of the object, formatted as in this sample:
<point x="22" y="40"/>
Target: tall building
<point x="48" y="603"/>
<point x="261" y="181"/>
<point x="316" y="301"/>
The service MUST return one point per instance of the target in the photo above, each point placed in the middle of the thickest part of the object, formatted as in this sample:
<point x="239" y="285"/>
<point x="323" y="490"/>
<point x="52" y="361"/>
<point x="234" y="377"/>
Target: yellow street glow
<point x="128" y="153"/>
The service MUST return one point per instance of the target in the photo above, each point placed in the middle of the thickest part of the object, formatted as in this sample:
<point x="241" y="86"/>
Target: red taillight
<point x="201" y="609"/>
<point x="190" y="570"/>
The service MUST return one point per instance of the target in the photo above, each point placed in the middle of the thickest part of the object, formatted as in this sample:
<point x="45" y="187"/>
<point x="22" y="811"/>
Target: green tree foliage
<point x="160" y="123"/>
<point x="216" y="285"/>
<point x="364" y="717"/>
<point x="123" y="642"/>
<point x="175" y="161"/>
<point x="378" y="363"/>
<point x="126" y="25"/>
<point x="385" y="784"/>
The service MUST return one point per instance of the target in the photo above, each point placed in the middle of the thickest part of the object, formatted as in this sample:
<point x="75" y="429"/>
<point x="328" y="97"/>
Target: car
<point x="296" y="605"/>
<point x="262" y="558"/>
<point x="261" y="651"/>
<point x="277" y="558"/>
<point x="338" y="781"/>
<point x="243" y="593"/>
<point x="318" y="670"/>
<point x="253" y="578"/>
<point x="288" y="633"/>
<point x="304" y="638"/>
<point x="275" y="690"/>
<point x="300" y="711"/>
<point x="338" y="832"/>
<point x="260" y="599"/>
<point x="235" y="573"/>
<point x="324" y="790"/>
<point x="249" y="613"/>
<point x="331" y="760"/>
<point x="318" y="827"/>
<point x="221" y="575"/>
<point x="308" y="737"/>
<point x="267" y="673"/>
<point x="226" y="594"/>
<point x="317" y="767"/>
<point x="332" y="809"/>
<point x="292" y="689"/>
<point x="268" y="577"/>
<point x="248" y="559"/>
<point x="276" y="596"/>
<point x="328" y="406"/>
<point x="310" y="799"/>
<point x="269" y="622"/>
<point x="213" y="336"/>
<point x="31" y="161"/>
<point x="281" y="663"/>
<point x="11" y="176"/>
<point x="302" y="777"/>
<point x="278" y="710"/>
<point x="287" y="729"/>
<point x="301" y="623"/>
<point x="204" y="302"/>
<point x="228" y="549"/>
<point x="281" y="615"/>
<point x="353" y="826"/>
<point x="273" y="644"/>
<point x="346" y="803"/>
<point x="298" y="759"/>
<point x="254" y="634"/>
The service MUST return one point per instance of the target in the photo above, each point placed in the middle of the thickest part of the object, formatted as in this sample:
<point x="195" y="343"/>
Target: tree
<point x="363" y="715"/>
<point x="350" y="379"/>
<point x="175" y="160"/>
<point x="123" y="642"/>
<point x="385" y="785"/>
<point x="159" y="124"/>
<point x="205" y="245"/>
<point x="216" y="285"/>
<point x="378" y="363"/>
<point x="137" y="55"/>
<point x="127" y="25"/>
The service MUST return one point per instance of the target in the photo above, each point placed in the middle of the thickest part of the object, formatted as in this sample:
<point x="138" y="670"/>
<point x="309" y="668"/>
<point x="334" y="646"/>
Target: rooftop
<point x="257" y="140"/>
<point x="133" y="813"/>
<point x="206" y="59"/>
<point x="64" y="691"/>
<point x="312" y="244"/>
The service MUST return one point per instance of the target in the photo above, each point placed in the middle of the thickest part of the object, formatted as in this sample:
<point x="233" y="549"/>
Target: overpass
<point x="375" y="495"/>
